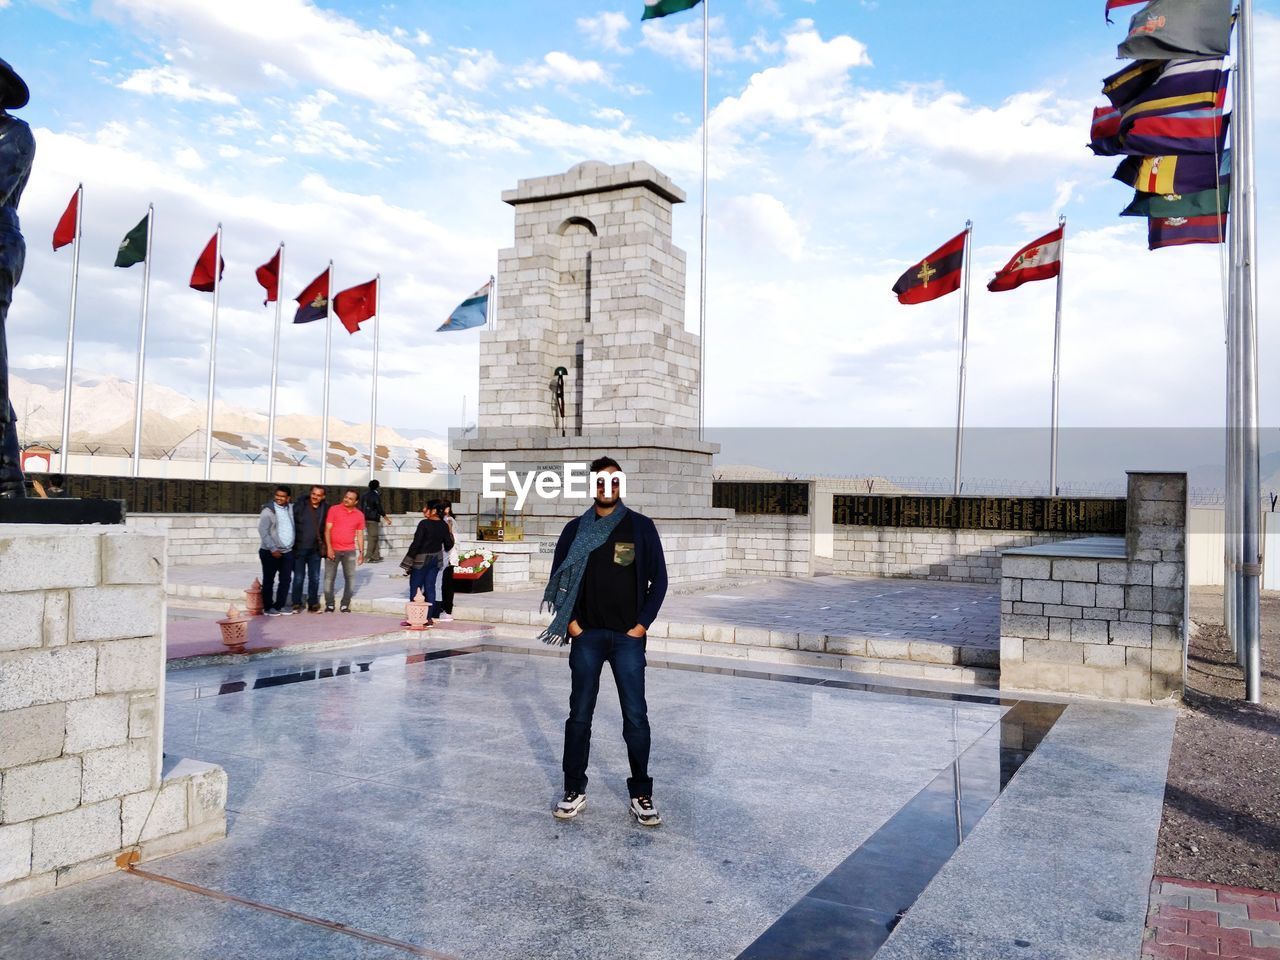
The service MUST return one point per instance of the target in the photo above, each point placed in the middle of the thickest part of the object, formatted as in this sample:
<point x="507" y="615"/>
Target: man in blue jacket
<point x="608" y="581"/>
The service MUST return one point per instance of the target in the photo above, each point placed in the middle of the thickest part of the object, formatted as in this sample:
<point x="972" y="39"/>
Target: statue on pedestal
<point x="17" y="151"/>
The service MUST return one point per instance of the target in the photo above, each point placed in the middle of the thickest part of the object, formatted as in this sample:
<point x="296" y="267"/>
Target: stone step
<point x="863" y="654"/>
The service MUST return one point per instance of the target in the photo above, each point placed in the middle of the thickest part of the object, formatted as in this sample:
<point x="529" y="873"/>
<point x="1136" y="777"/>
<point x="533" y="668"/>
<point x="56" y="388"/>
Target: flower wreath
<point x="473" y="562"/>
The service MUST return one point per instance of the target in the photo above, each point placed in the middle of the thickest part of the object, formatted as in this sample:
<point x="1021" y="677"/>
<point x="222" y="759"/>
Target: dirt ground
<point x="1222" y="803"/>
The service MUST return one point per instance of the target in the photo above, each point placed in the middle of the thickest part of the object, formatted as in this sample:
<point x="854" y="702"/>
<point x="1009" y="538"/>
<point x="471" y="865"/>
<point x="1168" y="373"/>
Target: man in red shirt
<point x="343" y="543"/>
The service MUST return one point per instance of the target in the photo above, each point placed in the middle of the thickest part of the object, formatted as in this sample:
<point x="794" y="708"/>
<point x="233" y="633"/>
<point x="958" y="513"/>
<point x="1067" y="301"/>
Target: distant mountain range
<point x="173" y="425"/>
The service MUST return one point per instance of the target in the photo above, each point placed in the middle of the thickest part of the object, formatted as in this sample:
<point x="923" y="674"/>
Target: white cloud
<point x="561" y="68"/>
<point x="761" y="224"/>
<point x="168" y="82"/>
<point x="475" y="69"/>
<point x="605" y="29"/>
<point x="188" y="158"/>
<point x="682" y="42"/>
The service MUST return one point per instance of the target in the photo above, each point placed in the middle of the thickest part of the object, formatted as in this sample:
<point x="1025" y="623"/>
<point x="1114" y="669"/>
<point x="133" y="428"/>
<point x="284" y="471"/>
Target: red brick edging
<point x="1188" y="920"/>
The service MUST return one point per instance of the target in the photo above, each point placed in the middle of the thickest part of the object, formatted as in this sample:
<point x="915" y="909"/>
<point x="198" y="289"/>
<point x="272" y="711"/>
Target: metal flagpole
<point x="1251" y="566"/>
<point x="142" y="342"/>
<point x="964" y="354"/>
<point x="328" y="352"/>
<point x="702" y="243"/>
<point x="1232" y="511"/>
<point x="275" y="367"/>
<point x="65" y="457"/>
<point x="213" y="352"/>
<point x="1057" y="344"/>
<point x="373" y="412"/>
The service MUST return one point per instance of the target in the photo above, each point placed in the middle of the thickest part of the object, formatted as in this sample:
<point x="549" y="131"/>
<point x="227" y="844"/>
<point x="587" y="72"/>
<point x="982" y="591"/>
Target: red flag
<point x="1038" y="260"/>
<point x="269" y="276"/>
<point x="202" y="276"/>
<point x="313" y="302"/>
<point x="1112" y="4"/>
<point x="936" y="275"/>
<point x="65" y="231"/>
<point x="357" y="304"/>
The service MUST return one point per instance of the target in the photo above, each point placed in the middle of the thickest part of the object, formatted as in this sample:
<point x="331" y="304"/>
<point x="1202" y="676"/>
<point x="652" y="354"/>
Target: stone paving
<point x="1195" y="921"/>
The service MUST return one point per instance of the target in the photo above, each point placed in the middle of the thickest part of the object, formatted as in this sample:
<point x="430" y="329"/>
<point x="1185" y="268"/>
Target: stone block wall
<point x="1112" y="624"/>
<point x="767" y="545"/>
<point x="966" y="556"/>
<point x="81" y="711"/>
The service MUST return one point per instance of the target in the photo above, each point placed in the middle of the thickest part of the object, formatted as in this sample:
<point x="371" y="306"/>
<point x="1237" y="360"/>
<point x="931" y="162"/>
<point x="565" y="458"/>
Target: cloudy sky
<point x="848" y="139"/>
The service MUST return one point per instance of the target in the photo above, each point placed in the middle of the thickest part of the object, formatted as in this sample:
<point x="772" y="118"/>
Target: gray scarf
<point x="566" y="580"/>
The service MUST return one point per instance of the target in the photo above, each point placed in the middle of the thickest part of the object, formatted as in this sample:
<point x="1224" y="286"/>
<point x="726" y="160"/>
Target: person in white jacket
<point x="444" y="587"/>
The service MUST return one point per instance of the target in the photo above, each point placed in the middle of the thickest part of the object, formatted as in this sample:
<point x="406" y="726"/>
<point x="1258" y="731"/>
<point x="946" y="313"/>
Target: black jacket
<point x="300" y="509"/>
<point x="432" y="536"/>
<point x="371" y="505"/>
<point x="650" y="566"/>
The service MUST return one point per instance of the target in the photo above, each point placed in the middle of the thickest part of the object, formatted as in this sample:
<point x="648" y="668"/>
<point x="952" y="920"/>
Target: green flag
<point x="1163" y="206"/>
<point x="133" y="248"/>
<point x="660" y="8"/>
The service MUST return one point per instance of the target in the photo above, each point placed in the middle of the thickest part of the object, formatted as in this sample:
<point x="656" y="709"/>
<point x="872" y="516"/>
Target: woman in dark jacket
<point x="422" y="561"/>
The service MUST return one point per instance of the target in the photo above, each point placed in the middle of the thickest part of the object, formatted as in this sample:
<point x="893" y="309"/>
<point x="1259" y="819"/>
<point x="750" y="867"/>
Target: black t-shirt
<point x="608" y="597"/>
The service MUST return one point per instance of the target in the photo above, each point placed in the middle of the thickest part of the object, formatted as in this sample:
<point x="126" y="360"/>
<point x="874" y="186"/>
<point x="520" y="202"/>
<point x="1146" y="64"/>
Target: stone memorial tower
<point x="589" y="319"/>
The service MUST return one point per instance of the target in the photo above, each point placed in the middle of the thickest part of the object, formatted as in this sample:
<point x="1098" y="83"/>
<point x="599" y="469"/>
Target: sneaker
<point x="570" y="805"/>
<point x="645" y="812"/>
<point x="271" y="612"/>
<point x="344" y="608"/>
<point x="328" y="609"/>
<point x="446" y="617"/>
<point x="297" y="608"/>
<point x="313" y="608"/>
<point x="285" y="612"/>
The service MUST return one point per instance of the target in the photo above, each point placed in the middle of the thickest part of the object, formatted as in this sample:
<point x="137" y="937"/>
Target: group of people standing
<point x="295" y="537"/>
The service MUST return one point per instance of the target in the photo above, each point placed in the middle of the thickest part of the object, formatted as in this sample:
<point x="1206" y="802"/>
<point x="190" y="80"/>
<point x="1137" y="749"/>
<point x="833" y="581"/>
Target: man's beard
<point x="605" y="504"/>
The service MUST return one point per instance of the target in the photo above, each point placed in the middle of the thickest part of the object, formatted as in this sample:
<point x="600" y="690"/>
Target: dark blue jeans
<point x="306" y="565"/>
<point x="588" y="654"/>
<point x="275" y="597"/>
<point x="424" y="578"/>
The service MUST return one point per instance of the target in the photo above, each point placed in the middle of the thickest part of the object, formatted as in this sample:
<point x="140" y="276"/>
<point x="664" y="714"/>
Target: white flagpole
<point x="328" y="353"/>
<point x="1250" y="526"/>
<point x="1057" y="343"/>
<point x="142" y="342"/>
<point x="65" y="457"/>
<point x="373" y="411"/>
<point x="213" y="353"/>
<point x="275" y="367"/>
<point x="702" y="242"/>
<point x="964" y="354"/>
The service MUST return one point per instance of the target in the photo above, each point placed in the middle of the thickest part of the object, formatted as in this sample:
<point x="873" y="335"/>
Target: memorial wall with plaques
<point x="1067" y="515"/>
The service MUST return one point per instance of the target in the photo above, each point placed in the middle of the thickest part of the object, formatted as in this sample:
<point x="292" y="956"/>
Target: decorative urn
<point x="417" y="611"/>
<point x="253" y="598"/>
<point x="235" y="630"/>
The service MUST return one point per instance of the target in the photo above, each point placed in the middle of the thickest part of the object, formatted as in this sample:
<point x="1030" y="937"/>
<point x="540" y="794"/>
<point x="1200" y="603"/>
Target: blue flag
<point x="471" y="312"/>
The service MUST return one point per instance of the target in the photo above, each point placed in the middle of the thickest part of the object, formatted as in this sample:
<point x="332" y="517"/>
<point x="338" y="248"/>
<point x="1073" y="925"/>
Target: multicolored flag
<point x="269" y="276"/>
<point x="356" y="304"/>
<point x="1180" y="113"/>
<point x="1178" y="231"/>
<point x="936" y="275"/>
<point x="65" y="231"/>
<point x="133" y="248"/>
<point x="1104" y="134"/>
<point x="1164" y="206"/>
<point x="660" y="8"/>
<point x="313" y="301"/>
<point x="1172" y="29"/>
<point x="471" y="312"/>
<point x="1039" y="260"/>
<point x="1165" y="175"/>
<point x="202" y="276"/>
<point x="1127" y="84"/>
<point x="1112" y="4"/>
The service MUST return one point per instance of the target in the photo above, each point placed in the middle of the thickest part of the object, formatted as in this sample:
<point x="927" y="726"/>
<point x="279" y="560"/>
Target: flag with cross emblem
<point x="935" y="276"/>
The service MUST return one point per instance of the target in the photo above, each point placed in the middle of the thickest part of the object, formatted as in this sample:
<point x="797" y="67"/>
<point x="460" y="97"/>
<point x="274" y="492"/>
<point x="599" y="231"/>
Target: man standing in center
<point x="608" y="581"/>
<point x="309" y="548"/>
<point x="344" y="543"/>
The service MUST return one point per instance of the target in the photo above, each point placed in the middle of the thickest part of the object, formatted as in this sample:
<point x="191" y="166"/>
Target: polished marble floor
<point x="407" y="798"/>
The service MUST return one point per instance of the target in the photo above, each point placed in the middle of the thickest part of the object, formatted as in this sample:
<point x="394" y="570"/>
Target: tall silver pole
<point x="373" y="410"/>
<point x="964" y="354"/>
<point x="702" y="241"/>
<point x="1232" y="585"/>
<point x="142" y="342"/>
<point x="65" y="458"/>
<point x="1057" y="346"/>
<point x="275" y="368"/>
<point x="328" y="353"/>
<point x="1250" y="527"/>
<point x="213" y="352"/>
